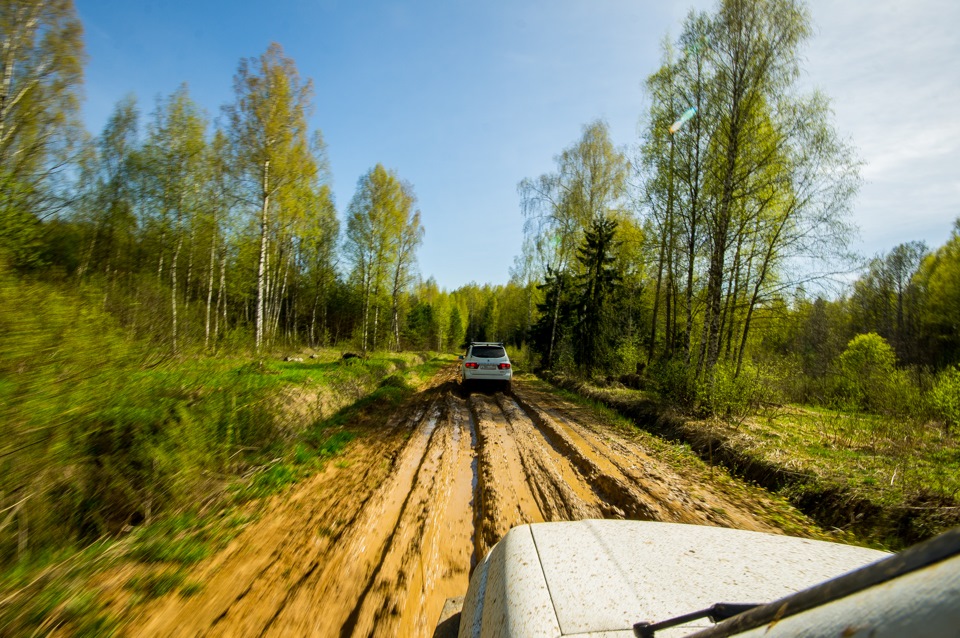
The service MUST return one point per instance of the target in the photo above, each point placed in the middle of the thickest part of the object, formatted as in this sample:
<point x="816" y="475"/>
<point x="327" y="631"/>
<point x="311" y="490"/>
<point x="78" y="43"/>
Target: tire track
<point x="434" y="530"/>
<point x="503" y="485"/>
<point x="605" y="478"/>
<point x="373" y="545"/>
<point x="348" y="573"/>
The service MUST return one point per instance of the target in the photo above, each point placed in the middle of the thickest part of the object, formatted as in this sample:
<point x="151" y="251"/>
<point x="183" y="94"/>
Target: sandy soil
<point x="374" y="544"/>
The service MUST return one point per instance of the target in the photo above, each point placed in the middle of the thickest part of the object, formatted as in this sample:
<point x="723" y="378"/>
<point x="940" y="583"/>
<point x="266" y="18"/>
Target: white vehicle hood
<point x="599" y="577"/>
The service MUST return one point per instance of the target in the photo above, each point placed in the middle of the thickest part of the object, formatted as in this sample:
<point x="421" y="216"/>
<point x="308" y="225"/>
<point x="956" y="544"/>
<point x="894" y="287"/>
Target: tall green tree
<point x="107" y="193"/>
<point x="939" y="280"/>
<point x="590" y="180"/>
<point x="381" y="227"/>
<point x="749" y="192"/>
<point x="176" y="163"/>
<point x="886" y="299"/>
<point x="411" y="236"/>
<point x="267" y="126"/>
<point x="595" y="296"/>
<point x="41" y="72"/>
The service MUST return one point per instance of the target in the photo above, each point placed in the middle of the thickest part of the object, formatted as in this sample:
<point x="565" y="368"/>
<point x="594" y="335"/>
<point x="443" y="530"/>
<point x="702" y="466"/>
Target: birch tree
<point x="411" y="236"/>
<point x="175" y="157"/>
<point x="41" y="72"/>
<point x="267" y="126"/>
<point x="380" y="228"/>
<point x="755" y="187"/>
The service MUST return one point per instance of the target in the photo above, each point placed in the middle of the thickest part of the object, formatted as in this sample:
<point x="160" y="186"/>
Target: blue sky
<point x="465" y="99"/>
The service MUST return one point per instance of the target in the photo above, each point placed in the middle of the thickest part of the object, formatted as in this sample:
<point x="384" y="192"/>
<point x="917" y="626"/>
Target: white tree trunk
<point x="262" y="268"/>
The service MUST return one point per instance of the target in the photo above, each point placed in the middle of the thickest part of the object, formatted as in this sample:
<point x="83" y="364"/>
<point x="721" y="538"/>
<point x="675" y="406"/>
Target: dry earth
<point x="376" y="542"/>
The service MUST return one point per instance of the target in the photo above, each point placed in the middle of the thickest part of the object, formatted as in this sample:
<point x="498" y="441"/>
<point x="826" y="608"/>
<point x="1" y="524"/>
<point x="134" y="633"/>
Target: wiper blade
<point x="716" y="613"/>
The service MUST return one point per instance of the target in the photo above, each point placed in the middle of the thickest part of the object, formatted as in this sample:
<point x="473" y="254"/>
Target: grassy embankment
<point x="112" y="454"/>
<point x="206" y="471"/>
<point x="886" y="482"/>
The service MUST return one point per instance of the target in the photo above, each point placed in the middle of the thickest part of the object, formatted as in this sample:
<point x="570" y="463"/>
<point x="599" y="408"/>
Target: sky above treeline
<point x="465" y="99"/>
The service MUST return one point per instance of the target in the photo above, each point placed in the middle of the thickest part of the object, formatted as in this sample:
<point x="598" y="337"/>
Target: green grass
<point x="183" y="539"/>
<point x="890" y="461"/>
<point x="156" y="584"/>
<point x="185" y="444"/>
<point x="50" y="589"/>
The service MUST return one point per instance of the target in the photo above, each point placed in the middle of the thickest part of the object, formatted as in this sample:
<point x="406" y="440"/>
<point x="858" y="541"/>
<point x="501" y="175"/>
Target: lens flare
<point x="687" y="115"/>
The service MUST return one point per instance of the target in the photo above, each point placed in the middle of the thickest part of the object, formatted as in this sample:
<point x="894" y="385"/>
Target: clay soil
<point x="374" y="544"/>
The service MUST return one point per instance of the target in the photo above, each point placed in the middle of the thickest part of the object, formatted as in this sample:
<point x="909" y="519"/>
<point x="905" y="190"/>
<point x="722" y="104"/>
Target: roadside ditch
<point x="829" y="501"/>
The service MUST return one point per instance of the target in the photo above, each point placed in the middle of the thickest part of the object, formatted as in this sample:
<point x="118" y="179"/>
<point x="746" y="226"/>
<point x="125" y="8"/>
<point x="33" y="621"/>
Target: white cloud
<point x="892" y="71"/>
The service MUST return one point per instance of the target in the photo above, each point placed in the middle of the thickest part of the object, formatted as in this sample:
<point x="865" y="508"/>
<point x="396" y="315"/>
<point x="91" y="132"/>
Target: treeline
<point x="693" y="253"/>
<point x="201" y="235"/>
<point x="688" y="264"/>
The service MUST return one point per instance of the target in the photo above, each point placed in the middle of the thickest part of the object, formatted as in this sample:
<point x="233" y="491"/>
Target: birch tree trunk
<point x="262" y="266"/>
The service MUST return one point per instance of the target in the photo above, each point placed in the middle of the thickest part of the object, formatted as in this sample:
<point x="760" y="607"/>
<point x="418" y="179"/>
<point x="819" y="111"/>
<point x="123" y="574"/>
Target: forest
<point x="709" y="261"/>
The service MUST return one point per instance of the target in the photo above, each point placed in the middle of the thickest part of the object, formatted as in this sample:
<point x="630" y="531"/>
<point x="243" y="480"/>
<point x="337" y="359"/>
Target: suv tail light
<point x="471" y="365"/>
<point x="504" y="366"/>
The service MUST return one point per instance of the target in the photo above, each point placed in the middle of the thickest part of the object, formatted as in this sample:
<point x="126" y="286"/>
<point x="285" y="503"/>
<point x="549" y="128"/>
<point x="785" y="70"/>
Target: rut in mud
<point x="375" y="543"/>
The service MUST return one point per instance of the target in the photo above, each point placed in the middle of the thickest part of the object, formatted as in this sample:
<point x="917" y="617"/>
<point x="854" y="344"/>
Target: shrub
<point x="866" y="378"/>
<point x="735" y="396"/>
<point x="944" y="398"/>
<point x="864" y="371"/>
<point x="628" y="354"/>
<point x="676" y="383"/>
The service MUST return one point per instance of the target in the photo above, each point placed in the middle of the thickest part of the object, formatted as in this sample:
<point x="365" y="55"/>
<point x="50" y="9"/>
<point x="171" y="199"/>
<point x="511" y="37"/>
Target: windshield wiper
<point x="716" y="613"/>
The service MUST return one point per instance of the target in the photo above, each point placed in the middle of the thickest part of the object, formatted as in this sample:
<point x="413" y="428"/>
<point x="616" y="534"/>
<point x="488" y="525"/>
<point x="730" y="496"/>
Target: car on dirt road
<point x="605" y="578"/>
<point x="485" y="362"/>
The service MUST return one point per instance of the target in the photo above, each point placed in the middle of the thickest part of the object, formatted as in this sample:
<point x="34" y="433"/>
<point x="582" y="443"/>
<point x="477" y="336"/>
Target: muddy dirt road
<point x="375" y="543"/>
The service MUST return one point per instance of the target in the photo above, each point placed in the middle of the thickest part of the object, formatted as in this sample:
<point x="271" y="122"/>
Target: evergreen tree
<point x="596" y="321"/>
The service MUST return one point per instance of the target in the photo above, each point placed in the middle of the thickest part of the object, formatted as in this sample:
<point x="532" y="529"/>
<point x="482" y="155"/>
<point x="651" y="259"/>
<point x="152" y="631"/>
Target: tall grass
<point x="110" y="451"/>
<point x="100" y="435"/>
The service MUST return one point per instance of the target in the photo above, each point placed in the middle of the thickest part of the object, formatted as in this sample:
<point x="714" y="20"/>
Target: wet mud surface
<point x="374" y="544"/>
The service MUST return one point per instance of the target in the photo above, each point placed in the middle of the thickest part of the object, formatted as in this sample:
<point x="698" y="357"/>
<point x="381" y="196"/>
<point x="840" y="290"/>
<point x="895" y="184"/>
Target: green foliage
<point x="676" y="383"/>
<point x="734" y="396"/>
<point x="594" y="298"/>
<point x="270" y="480"/>
<point x="156" y="584"/>
<point x="867" y="355"/>
<point x="944" y="398"/>
<point x="868" y="380"/>
<point x="939" y="279"/>
<point x="52" y="590"/>
<point x="625" y="358"/>
<point x="382" y="230"/>
<point x="42" y="64"/>
<point x="179" y="539"/>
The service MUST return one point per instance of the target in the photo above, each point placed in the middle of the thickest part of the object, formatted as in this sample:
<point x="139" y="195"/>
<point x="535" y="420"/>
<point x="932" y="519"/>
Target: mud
<point x="374" y="544"/>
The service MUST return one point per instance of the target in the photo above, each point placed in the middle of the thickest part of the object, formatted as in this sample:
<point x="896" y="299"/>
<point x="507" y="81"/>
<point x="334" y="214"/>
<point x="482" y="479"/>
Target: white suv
<point x="485" y="361"/>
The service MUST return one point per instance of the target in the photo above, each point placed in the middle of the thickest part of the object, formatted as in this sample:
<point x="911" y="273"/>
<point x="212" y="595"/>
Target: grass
<point x="157" y="584"/>
<point x="51" y="590"/>
<point x="888" y="461"/>
<point x="883" y="481"/>
<point x="176" y="451"/>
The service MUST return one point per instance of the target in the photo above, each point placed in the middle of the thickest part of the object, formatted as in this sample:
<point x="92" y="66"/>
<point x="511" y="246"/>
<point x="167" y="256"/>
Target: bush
<point x="523" y="358"/>
<point x="676" y="383"/>
<point x="627" y="356"/>
<point x="864" y="371"/>
<point x="735" y="396"/>
<point x="944" y="398"/>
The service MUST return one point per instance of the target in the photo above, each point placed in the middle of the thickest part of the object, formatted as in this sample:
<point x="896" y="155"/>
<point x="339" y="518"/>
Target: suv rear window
<point x="488" y="352"/>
